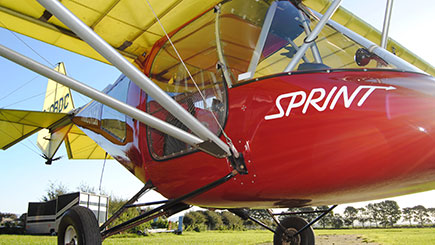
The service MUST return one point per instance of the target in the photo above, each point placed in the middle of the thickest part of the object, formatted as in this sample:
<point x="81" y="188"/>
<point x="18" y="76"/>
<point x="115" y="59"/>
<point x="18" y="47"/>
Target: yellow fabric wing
<point x="16" y="125"/>
<point x="80" y="146"/>
<point x="349" y="20"/>
<point x="129" y="26"/>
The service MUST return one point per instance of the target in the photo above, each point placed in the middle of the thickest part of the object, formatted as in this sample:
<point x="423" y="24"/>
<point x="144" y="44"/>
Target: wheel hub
<point x="288" y="237"/>
<point x="70" y="236"/>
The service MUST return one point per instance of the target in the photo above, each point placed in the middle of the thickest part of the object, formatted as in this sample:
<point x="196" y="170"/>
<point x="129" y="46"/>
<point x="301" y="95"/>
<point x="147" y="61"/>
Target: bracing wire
<point x="20" y="87"/>
<point x="102" y="172"/>
<point x="188" y="72"/>
<point x="21" y="40"/>
<point x="23" y="100"/>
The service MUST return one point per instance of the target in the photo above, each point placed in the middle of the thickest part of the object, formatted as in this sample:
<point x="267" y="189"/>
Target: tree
<point x="431" y="212"/>
<point x="260" y="214"/>
<point x="327" y="219"/>
<point x="116" y="203"/>
<point x="337" y="221"/>
<point x="374" y="213"/>
<point x="53" y="191"/>
<point x="195" y="221"/>
<point x="389" y="212"/>
<point x="232" y="221"/>
<point x="213" y="220"/>
<point x="8" y="215"/>
<point x="309" y="216"/>
<point x="420" y="215"/>
<point x="408" y="215"/>
<point x="86" y="188"/>
<point x="350" y="215"/>
<point x="363" y="216"/>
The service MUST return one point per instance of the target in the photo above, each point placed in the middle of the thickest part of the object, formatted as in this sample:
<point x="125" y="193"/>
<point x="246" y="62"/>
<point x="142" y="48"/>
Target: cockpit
<point x="240" y="40"/>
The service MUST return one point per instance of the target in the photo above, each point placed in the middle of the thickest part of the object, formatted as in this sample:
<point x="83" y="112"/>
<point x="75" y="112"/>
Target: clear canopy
<point x="260" y="38"/>
<point x="239" y="40"/>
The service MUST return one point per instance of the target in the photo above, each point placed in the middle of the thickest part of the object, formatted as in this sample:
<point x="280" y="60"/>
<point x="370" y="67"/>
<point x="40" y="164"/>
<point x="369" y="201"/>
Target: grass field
<point x="380" y="236"/>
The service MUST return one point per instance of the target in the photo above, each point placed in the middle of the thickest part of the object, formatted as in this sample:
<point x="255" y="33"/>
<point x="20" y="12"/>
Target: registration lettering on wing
<point x="320" y="99"/>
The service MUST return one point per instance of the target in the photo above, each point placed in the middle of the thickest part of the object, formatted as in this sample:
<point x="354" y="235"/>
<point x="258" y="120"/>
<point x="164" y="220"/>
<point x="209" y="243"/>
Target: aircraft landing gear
<point x="291" y="230"/>
<point x="79" y="226"/>
<point x="292" y="225"/>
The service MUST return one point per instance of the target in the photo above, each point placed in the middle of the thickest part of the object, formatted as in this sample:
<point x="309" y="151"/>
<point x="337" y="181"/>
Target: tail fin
<point x="57" y="99"/>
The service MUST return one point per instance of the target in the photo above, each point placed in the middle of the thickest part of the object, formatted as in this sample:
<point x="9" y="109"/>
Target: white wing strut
<point x="145" y="83"/>
<point x="386" y="28"/>
<point x="109" y="101"/>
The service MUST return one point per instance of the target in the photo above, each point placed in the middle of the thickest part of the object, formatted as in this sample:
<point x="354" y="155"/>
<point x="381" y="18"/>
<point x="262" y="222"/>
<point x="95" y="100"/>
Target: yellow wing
<point x="80" y="146"/>
<point x="16" y="125"/>
<point x="129" y="26"/>
<point x="349" y="20"/>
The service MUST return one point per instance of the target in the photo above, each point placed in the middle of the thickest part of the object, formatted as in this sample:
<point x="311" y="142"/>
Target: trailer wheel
<point x="292" y="225"/>
<point x="78" y="227"/>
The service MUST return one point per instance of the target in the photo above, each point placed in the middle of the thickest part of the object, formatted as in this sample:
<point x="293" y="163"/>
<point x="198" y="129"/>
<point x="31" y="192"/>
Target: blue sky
<point x="24" y="175"/>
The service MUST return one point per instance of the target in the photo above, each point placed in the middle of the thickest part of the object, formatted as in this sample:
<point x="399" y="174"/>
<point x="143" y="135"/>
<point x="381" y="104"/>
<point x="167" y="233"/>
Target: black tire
<point x="292" y="225"/>
<point x="81" y="222"/>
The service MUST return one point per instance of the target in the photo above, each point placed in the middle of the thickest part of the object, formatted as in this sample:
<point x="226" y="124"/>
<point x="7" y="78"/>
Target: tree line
<point x="383" y="214"/>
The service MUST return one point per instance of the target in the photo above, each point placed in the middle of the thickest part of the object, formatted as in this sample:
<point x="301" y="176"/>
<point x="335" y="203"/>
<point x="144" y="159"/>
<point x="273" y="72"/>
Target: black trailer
<point x="44" y="217"/>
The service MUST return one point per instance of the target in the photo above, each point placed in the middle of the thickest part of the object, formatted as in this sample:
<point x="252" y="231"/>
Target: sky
<point x="24" y="175"/>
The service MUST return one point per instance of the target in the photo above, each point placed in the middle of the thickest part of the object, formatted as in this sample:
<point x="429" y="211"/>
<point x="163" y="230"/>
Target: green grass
<point x="380" y="236"/>
<point x="27" y="239"/>
<point x="209" y="237"/>
<point x="411" y="236"/>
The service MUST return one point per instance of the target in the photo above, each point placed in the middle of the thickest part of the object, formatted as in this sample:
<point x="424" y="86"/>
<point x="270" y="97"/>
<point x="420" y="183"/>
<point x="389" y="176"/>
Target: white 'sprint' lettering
<point x="317" y="96"/>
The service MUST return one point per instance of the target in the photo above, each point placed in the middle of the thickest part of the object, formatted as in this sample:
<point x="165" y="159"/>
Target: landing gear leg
<point x="295" y="230"/>
<point x="292" y="230"/>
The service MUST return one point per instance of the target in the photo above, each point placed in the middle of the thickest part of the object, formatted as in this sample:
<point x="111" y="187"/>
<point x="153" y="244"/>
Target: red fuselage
<point x="308" y="139"/>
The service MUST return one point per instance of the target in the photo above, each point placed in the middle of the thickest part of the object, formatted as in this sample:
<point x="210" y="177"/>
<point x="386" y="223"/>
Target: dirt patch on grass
<point x="343" y="240"/>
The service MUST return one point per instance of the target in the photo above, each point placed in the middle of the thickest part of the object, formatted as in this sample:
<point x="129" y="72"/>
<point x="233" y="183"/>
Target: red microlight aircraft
<point x="232" y="105"/>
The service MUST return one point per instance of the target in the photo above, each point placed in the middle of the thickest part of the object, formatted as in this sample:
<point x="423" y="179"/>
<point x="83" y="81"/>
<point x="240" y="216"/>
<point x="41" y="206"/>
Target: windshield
<point x="260" y="38"/>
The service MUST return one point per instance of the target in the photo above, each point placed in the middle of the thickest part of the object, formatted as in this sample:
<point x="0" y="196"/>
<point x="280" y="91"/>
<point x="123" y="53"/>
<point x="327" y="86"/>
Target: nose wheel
<point x="289" y="236"/>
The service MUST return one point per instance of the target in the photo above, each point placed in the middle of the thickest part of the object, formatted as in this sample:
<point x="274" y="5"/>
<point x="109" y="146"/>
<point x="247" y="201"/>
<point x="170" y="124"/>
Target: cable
<point x="102" y="172"/>
<point x="34" y="51"/>
<point x="15" y="90"/>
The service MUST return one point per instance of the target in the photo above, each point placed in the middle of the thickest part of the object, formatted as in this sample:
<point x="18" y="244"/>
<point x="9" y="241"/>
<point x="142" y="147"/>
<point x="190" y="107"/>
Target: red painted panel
<point x="382" y="147"/>
<point x="348" y="136"/>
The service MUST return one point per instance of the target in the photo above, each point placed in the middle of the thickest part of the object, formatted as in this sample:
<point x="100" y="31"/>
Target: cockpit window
<point x="237" y="41"/>
<point x="113" y="121"/>
<point x="206" y="100"/>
